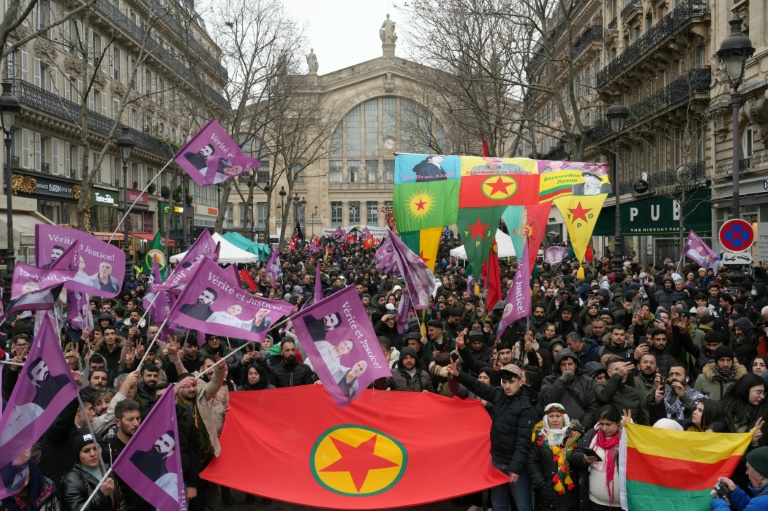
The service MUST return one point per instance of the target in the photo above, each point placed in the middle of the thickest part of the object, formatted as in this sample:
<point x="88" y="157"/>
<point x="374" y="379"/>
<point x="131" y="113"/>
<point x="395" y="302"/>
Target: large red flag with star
<point x="477" y="228"/>
<point x="381" y="451"/>
<point x="499" y="190"/>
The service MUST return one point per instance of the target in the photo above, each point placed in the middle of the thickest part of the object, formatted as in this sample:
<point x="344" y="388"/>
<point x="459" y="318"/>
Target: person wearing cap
<point x="79" y="482"/>
<point x="512" y="423"/>
<point x="452" y="323"/>
<point x="554" y="484"/>
<point x="408" y="375"/>
<point x="570" y="386"/>
<point x="567" y="322"/>
<point x="436" y="342"/>
<point x="757" y="473"/>
<point x="478" y="350"/>
<point x="719" y="376"/>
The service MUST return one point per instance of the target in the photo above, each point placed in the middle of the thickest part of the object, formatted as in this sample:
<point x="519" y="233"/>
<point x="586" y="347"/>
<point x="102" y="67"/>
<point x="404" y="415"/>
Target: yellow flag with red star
<point x="580" y="214"/>
<point x="424" y="243"/>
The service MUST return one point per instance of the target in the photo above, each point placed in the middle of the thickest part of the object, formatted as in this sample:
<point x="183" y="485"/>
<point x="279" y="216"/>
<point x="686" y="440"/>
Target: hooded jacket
<point x="744" y="345"/>
<point x="576" y="396"/>
<point x="401" y="380"/>
<point x="623" y="396"/>
<point x="715" y="388"/>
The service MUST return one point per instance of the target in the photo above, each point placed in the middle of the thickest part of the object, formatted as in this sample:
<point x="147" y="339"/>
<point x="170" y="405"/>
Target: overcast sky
<point x="344" y="32"/>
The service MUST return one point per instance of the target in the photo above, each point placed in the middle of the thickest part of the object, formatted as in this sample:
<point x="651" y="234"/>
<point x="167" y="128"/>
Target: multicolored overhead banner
<point x="430" y="189"/>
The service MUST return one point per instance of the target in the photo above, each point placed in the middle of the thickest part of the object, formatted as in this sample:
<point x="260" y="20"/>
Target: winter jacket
<point x="285" y="375"/>
<point x="77" y="486"/>
<point x="576" y="396"/>
<point x="401" y="380"/>
<point x="206" y="401"/>
<point x="714" y="388"/>
<point x="542" y="467"/>
<point x="513" y="421"/>
<point x="623" y="396"/>
<point x="590" y="351"/>
<point x="740" y="501"/>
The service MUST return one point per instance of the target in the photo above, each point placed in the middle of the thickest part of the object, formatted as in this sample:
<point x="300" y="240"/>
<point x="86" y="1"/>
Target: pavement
<point x="275" y="505"/>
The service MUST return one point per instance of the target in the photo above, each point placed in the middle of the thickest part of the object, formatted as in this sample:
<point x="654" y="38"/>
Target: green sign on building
<point x="100" y="197"/>
<point x="659" y="215"/>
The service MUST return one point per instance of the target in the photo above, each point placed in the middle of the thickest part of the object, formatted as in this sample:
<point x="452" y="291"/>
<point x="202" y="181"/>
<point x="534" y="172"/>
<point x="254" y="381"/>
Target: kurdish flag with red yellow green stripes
<point x="666" y="470"/>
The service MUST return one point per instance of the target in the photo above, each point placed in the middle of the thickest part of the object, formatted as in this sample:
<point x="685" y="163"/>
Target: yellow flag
<point x="430" y="239"/>
<point x="580" y="213"/>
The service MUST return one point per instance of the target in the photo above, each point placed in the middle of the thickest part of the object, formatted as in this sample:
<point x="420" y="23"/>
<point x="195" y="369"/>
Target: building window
<point x="243" y="210"/>
<point x="389" y="171"/>
<point x="261" y="212"/>
<point x="354" y="171"/>
<point x="371" y="169"/>
<point x="371" y="109"/>
<point x="298" y="173"/>
<point x="354" y="213"/>
<point x="353" y="132"/>
<point x="229" y="220"/>
<point x="747" y="143"/>
<point x="372" y="213"/>
<point x="335" y="170"/>
<point x="336" y="214"/>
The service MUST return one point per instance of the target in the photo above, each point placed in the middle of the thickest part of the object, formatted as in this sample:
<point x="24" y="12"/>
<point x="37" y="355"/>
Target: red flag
<point x="357" y="458"/>
<point x="492" y="277"/>
<point x="485" y="147"/>
<point x="535" y="228"/>
<point x="246" y="277"/>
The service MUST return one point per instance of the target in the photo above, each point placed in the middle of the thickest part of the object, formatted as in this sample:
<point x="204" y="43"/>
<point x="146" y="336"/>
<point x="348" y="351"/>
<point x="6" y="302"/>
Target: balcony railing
<point x="139" y="36"/>
<point x="52" y="104"/>
<point x="667" y="177"/>
<point x="668" y="25"/>
<point x="184" y="34"/>
<point x="591" y="34"/>
<point x="696" y="81"/>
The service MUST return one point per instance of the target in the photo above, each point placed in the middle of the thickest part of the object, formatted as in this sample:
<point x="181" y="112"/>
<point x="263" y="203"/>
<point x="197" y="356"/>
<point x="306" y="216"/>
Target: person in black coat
<point x="289" y="372"/>
<point x="84" y="479"/>
<point x="513" y="419"/>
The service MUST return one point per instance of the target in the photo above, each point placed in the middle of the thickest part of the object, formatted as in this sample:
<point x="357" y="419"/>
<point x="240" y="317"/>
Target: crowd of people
<point x="674" y="347"/>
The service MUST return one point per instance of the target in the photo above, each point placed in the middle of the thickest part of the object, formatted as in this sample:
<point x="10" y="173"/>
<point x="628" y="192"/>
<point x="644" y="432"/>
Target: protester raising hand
<point x="757" y="432"/>
<point x="460" y="344"/>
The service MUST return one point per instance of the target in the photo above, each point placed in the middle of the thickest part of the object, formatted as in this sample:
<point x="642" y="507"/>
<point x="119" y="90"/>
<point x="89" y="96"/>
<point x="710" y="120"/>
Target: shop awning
<point x="150" y="237"/>
<point x="23" y="226"/>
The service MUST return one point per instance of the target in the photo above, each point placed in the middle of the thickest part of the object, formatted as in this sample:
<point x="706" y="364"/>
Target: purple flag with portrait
<point x="419" y="279"/>
<point x="79" y="313"/>
<point x="315" y="247"/>
<point x="696" y="249"/>
<point x="44" y="388"/>
<point x="344" y="351"/>
<point x="339" y="236"/>
<point x="33" y="288"/>
<point x="151" y="462"/>
<point x="365" y="234"/>
<point x="518" y="303"/>
<point x="273" y="270"/>
<point x="203" y="247"/>
<point x="403" y="311"/>
<point x="101" y="267"/>
<point x="555" y="254"/>
<point x="213" y="302"/>
<point x="157" y="302"/>
<point x="211" y="156"/>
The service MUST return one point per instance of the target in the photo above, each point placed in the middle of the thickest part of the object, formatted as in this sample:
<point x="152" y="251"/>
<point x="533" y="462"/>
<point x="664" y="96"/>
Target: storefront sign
<point x="104" y="198"/>
<point x="640" y="186"/>
<point x="54" y="188"/>
<point x="176" y="209"/>
<point x="658" y="216"/>
<point x="132" y="195"/>
<point x="762" y="241"/>
<point x="206" y="210"/>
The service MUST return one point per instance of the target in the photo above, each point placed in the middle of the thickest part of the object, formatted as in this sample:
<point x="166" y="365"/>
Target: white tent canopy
<point x="229" y="253"/>
<point x="503" y="241"/>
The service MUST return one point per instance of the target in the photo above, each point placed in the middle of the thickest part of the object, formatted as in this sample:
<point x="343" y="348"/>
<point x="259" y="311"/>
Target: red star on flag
<point x="420" y="205"/>
<point x="580" y="212"/>
<point x="499" y="186"/>
<point x="478" y="230"/>
<point x="421" y="254"/>
<point x="358" y="461"/>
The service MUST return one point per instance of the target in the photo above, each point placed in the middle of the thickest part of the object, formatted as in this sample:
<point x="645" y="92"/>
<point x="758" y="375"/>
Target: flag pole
<point x="222" y="359"/>
<point x="93" y="434"/>
<point x="90" y="497"/>
<point x="138" y="368"/>
<point x="421" y="331"/>
<point x="120" y="223"/>
<point x="9" y="363"/>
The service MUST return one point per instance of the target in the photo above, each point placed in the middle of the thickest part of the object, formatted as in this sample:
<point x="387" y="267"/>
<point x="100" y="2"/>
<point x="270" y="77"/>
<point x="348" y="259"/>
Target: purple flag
<point x="403" y="310"/>
<point x="471" y="285"/>
<point x="696" y="249"/>
<point x="419" y="279"/>
<point x="156" y="301"/>
<point x="79" y="313"/>
<point x="555" y="254"/>
<point x="273" y="270"/>
<point x="318" y="284"/>
<point x="345" y="352"/>
<point x="151" y="462"/>
<point x="315" y="247"/>
<point x="518" y="304"/>
<point x="365" y="234"/>
<point x="32" y="286"/>
<point x="203" y="247"/>
<point x="211" y="156"/>
<point x="213" y="302"/>
<point x="101" y="267"/>
<point x="44" y="389"/>
<point x="384" y="258"/>
<point x="339" y="236"/>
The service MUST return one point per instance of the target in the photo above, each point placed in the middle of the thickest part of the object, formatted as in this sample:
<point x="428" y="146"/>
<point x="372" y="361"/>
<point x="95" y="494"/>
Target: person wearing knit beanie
<point x="757" y="472"/>
<point x="723" y="352"/>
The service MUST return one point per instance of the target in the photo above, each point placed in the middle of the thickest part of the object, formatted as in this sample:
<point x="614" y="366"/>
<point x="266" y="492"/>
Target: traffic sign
<point x="737" y="235"/>
<point x="735" y="258"/>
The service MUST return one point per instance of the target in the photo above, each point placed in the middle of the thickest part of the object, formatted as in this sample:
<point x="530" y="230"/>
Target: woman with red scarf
<point x="599" y="475"/>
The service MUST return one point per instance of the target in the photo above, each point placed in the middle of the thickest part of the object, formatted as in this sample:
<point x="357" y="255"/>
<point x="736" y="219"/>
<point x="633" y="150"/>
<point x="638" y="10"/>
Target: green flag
<point x="423" y="205"/>
<point x="477" y="227"/>
<point x="155" y="252"/>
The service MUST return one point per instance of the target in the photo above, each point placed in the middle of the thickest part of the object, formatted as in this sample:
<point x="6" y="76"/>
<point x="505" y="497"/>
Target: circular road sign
<point x="736" y="235"/>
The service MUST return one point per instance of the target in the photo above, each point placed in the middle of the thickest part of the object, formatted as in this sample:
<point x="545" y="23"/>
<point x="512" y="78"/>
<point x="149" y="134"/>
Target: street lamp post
<point x="125" y="143"/>
<point x="617" y="115"/>
<point x="734" y="52"/>
<point x="282" y="193"/>
<point x="9" y="108"/>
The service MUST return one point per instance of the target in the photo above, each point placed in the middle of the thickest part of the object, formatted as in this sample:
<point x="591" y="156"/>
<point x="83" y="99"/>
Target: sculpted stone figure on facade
<point x="387" y="31"/>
